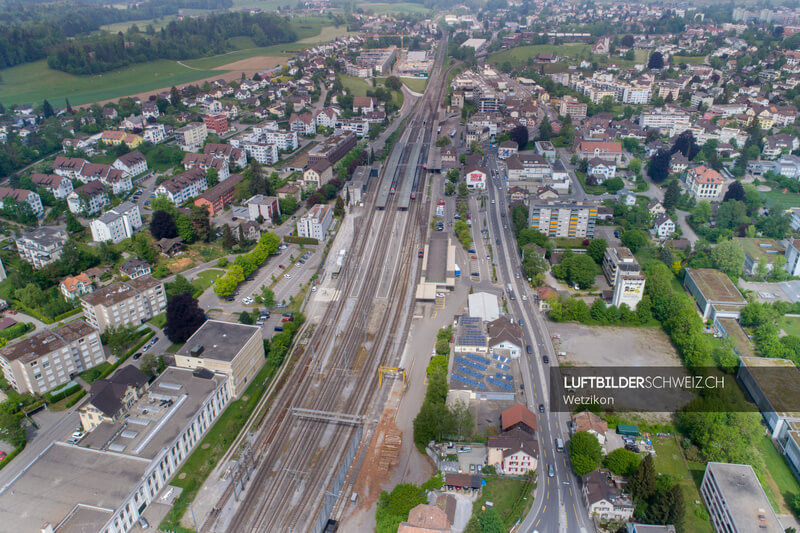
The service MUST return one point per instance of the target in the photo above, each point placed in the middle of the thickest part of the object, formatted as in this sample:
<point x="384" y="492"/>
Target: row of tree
<point x="246" y="264"/>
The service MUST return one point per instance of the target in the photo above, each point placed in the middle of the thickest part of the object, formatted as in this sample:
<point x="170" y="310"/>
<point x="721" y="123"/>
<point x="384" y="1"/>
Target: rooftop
<point x="758" y="249"/>
<point x="46" y="341"/>
<point x="779" y="381"/>
<point x="716" y="286"/>
<point x="746" y="501"/>
<point x="120" y="291"/>
<point x="484" y="306"/>
<point x="436" y="259"/>
<point x="221" y="341"/>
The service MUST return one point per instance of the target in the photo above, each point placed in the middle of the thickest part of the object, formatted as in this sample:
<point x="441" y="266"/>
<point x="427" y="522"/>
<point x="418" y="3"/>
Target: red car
<point x="12" y="312"/>
<point x="2" y="455"/>
<point x="287" y="319"/>
<point x="281" y="266"/>
<point x="441" y="201"/>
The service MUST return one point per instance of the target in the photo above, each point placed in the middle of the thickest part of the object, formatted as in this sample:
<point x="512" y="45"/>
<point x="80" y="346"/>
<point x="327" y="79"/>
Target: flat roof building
<point x="106" y="483"/>
<point x="715" y="293"/>
<point x="438" y="266"/>
<point x="736" y="501"/>
<point x="235" y="350"/>
<point x="484" y="306"/>
<point x="130" y="302"/>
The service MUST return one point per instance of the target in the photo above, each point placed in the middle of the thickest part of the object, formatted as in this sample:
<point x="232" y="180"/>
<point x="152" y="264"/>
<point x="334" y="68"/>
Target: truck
<point x="457" y="270"/>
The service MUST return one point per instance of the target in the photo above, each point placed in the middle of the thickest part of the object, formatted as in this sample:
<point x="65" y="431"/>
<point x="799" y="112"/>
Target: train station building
<point x="438" y="266"/>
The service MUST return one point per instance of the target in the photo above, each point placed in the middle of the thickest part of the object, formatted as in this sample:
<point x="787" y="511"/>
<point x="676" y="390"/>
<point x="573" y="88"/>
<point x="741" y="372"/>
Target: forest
<point x="29" y="30"/>
<point x="183" y="39"/>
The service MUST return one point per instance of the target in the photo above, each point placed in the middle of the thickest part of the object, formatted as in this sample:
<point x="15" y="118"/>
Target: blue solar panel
<point x="501" y="358"/>
<point x="469" y="363"/>
<point x="469" y="372"/>
<point x="500" y="375"/>
<point x="500" y="384"/>
<point x="478" y="358"/>
<point x="501" y="366"/>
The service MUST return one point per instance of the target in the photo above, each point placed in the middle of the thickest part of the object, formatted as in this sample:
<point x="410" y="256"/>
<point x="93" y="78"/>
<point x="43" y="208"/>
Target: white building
<point x="41" y="246"/>
<point x="131" y="164"/>
<point x="601" y="170"/>
<point x="90" y="198"/>
<point x="793" y="257"/>
<point x="184" y="186"/>
<point x="666" y="119"/>
<point x="266" y="154"/>
<point x="636" y="95"/>
<point x="117" y="224"/>
<point x="154" y="133"/>
<point x="315" y="222"/>
<point x="736" y="501"/>
<point x="663" y="227"/>
<point x="265" y="206"/>
<point x="704" y="183"/>
<point x="58" y="185"/>
<point x="476" y="178"/>
<point x="629" y="290"/>
<point x="22" y="195"/>
<point x="132" y="302"/>
<point x="284" y="140"/>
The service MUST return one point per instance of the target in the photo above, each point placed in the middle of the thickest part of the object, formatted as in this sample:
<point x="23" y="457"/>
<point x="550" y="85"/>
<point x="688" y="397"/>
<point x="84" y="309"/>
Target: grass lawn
<point x="589" y="189"/>
<point x="521" y="54"/>
<point x="159" y="320"/>
<point x="504" y="493"/>
<point x="778" y="479"/>
<point x="415" y="84"/>
<point x="204" y="279"/>
<point x="93" y="373"/>
<point x="790" y="325"/>
<point x="61" y="404"/>
<point x="669" y="460"/>
<point x="400" y="7"/>
<point x="157" y="23"/>
<point x="689" y="60"/>
<point x="357" y="86"/>
<point x="215" y="444"/>
<point x="781" y="200"/>
<point x="173" y="348"/>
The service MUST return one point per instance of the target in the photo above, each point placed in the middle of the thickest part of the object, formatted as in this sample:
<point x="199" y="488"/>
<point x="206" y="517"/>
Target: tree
<point x="686" y="144"/>
<point x="658" y="168"/>
<point x="626" y="41"/>
<point x="184" y="317"/>
<point x="545" y="129"/>
<point x="622" y="462"/>
<point x="732" y="214"/>
<point x="200" y="223"/>
<point x="735" y="192"/>
<point x="728" y="257"/>
<point x="73" y="225"/>
<point x="338" y="209"/>
<point x="642" y="484"/>
<point x="246" y="318"/>
<point x="614" y="184"/>
<point x="185" y="228"/>
<point x="656" y="61"/>
<point x="775" y="225"/>
<point x="634" y="239"/>
<point x="11" y="430"/>
<point x="635" y="165"/>
<point x="393" y="83"/>
<point x="143" y="248"/>
<point x="491" y="522"/>
<point x="181" y="285"/>
<point x="267" y="296"/>
<point x="597" y="249"/>
<point x="228" y="240"/>
<point x="119" y="338"/>
<point x="672" y="195"/>
<point x="582" y="464"/>
<point x="212" y="177"/>
<point x="534" y="264"/>
<point x="47" y="110"/>
<point x="149" y="364"/>
<point x="162" y="226"/>
<point x="444" y="140"/>
<point x="519" y="135"/>
<point x="449" y="188"/>
<point x="463" y="190"/>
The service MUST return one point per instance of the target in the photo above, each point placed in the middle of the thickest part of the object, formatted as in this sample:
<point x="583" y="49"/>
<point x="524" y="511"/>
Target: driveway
<point x="688" y="232"/>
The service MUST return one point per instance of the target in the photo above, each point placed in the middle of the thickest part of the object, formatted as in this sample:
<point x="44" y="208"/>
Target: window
<point x="37" y="376"/>
<point x="34" y="363"/>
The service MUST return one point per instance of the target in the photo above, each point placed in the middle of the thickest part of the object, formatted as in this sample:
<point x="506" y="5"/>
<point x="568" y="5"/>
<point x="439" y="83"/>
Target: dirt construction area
<point x="607" y="346"/>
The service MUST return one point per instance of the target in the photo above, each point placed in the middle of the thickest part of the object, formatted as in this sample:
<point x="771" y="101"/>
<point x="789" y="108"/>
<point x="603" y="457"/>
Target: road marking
<point x="576" y="513"/>
<point x="545" y="507"/>
<point x="570" y="493"/>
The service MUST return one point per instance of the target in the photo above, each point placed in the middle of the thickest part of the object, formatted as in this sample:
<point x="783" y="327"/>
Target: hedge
<point x="15" y="452"/>
<point x="17" y="330"/>
<point x="75" y="399"/>
<point x="300" y="240"/>
<point x="147" y="336"/>
<point x="67" y="314"/>
<point x="33" y="312"/>
<point x="53" y="398"/>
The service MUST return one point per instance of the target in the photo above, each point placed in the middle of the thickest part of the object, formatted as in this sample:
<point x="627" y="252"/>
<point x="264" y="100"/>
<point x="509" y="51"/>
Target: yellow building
<point x="110" y="399"/>
<point x="235" y="350"/>
<point x="115" y="138"/>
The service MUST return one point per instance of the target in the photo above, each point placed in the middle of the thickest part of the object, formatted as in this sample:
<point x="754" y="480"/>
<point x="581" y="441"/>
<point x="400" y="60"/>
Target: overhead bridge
<point x="327" y="416"/>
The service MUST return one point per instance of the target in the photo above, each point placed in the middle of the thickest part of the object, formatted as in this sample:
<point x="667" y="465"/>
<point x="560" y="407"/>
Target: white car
<point x="287" y="276"/>
<point x="314" y="288"/>
<point x="247" y="300"/>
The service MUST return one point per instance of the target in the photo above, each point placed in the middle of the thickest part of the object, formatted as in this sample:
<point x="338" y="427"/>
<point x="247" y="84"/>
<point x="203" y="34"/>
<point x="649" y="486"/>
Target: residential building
<point x="110" y="398"/>
<point x="794" y="213"/>
<point x="610" y="151"/>
<point x="600" y="170"/>
<point x="646" y="528"/>
<point x="514" y="452"/>
<point x="760" y="253"/>
<point x="236" y="157"/>
<point x="235" y="350"/>
<point x="704" y="183"/>
<point x="506" y="149"/>
<point x="518" y="416"/>
<point x="266" y="154"/>
<point x="191" y="136"/>
<point x="545" y="149"/>
<point x="51" y="357"/>
<point x="359" y="126"/>
<point x="619" y="261"/>
<point x="284" y="140"/>
<point x="302" y="124"/>
<point x="326" y="117"/>
<point x="206" y="162"/>
<point x="131" y="164"/>
<point x="603" y="497"/>
<point x="425" y="518"/>
<point x="736" y="501"/>
<point x="68" y="167"/>
<point x="333" y="148"/>
<point x="154" y="133"/>
<point x="265" y="206"/>
<point x="90" y="198"/>
<point x="184" y="186"/>
<point x="528" y="167"/>
<point x="315" y="222"/>
<point x="669" y="120"/>
<point x="290" y="190"/>
<point x="635" y="95"/>
<point x="782" y="143"/>
<point x="626" y="197"/>
<point x="135" y="268"/>
<point x="220" y="195"/>
<point x="58" y="185"/>
<point x="41" y="246"/>
<point x="115" y="138"/>
<point x="364" y="104"/>
<point x="106" y="174"/>
<point x="218" y="123"/>
<point x="663" y="226"/>
<point x="250" y="230"/>
<point x="715" y="293"/>
<point x="476" y="177"/>
<point x="318" y="173"/>
<point x="22" y="195"/>
<point x="572" y="107"/>
<point x="563" y="219"/>
<point x="591" y="423"/>
<point x="74" y="286"/>
<point x="131" y="302"/>
<point x="505" y="338"/>
<point x="123" y="465"/>
<point x="117" y="224"/>
<point x="793" y="257"/>
<point x="629" y="290"/>
<point x="150" y="110"/>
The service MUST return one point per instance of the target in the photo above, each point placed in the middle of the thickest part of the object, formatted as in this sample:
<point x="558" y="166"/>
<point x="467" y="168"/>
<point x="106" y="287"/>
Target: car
<point x="285" y="319"/>
<point x="259" y="322"/>
<point x="247" y="300"/>
<point x="143" y="523"/>
<point x="551" y="471"/>
<point x="505" y="226"/>
<point x="521" y="322"/>
<point x="546" y="360"/>
<point x="475" y="275"/>
<point x="457" y="216"/>
<point x="469" y="217"/>
<point x="78" y="433"/>
<point x="314" y="288"/>
<point x="234" y="219"/>
<point x="2" y="455"/>
<point x="488" y="257"/>
<point x="229" y="298"/>
<point x="472" y="251"/>
<point x="440" y="295"/>
<point x="473" y="256"/>
<point x="498" y="242"/>
<point x="493" y="201"/>
<point x="154" y="340"/>
<point x="281" y="267"/>
<point x="73" y="440"/>
<point x="524" y="297"/>
<point x="616" y="234"/>
<point x="464" y="449"/>
<point x="528" y="349"/>
<point x="302" y="261"/>
<point x="541" y="408"/>
<point x="137" y="355"/>
<point x="287" y="276"/>
<point x="12" y="312"/>
<point x="278" y="328"/>
<point x="516" y="275"/>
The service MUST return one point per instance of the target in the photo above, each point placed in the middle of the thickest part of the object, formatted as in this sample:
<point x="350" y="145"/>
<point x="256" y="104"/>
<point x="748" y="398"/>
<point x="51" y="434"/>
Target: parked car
<point x="278" y="328"/>
<point x="281" y="267"/>
<point x="546" y="360"/>
<point x="528" y="349"/>
<point x="137" y="355"/>
<point x="464" y="449"/>
<point x="287" y="276"/>
<point x="541" y="408"/>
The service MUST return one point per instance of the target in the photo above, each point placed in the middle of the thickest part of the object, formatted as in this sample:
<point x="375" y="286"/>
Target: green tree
<point x="267" y="296"/>
<point x="179" y="286"/>
<point x="149" y="364"/>
<point x="185" y="228"/>
<point x="491" y="522"/>
<point x="338" y="209"/>
<point x="545" y="129"/>
<point x="597" y="249"/>
<point x="728" y="257"/>
<point x="585" y="452"/>
<point x="671" y="195"/>
<point x="444" y="140"/>
<point x="212" y="177"/>
<point x="614" y="184"/>
<point x="732" y="214"/>
<point x="449" y="188"/>
<point x="228" y="240"/>
<point x="642" y="484"/>
<point x="73" y="225"/>
<point x="622" y="462"/>
<point x="11" y="430"/>
<point x="634" y="239"/>
<point x="463" y="190"/>
<point x="117" y="339"/>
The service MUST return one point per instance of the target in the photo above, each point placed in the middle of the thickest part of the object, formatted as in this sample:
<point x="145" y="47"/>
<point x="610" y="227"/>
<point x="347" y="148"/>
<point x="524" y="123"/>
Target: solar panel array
<point x="502" y="359"/>
<point x="501" y="384"/>
<point x="469" y="372"/>
<point x="501" y="366"/>
<point x="470" y="331"/>
<point x="478" y="358"/>
<point x="468" y="381"/>
<point x="507" y="377"/>
<point x="469" y="369"/>
<point x="473" y="364"/>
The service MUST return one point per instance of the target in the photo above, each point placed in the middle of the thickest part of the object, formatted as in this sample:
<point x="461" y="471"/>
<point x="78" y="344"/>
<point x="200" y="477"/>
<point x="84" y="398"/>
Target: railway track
<point x="296" y="458"/>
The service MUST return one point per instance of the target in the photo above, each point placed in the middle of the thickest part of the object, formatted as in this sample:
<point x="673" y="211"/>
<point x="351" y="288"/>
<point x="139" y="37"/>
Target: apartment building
<point x="74" y="286"/>
<point x="302" y="124"/>
<point x="704" y="183"/>
<point x="184" y="186"/>
<point x="218" y="123"/>
<point x="58" y="185"/>
<point x="131" y="302"/>
<point x="563" y="219"/>
<point x="217" y="197"/>
<point x="135" y="268"/>
<point x="22" y="195"/>
<point x="318" y="173"/>
<point x="235" y="156"/>
<point x="266" y="154"/>
<point x="191" y="136"/>
<point x="666" y="119"/>
<point x="572" y="107"/>
<point x="110" y="398"/>
<point x="609" y="151"/>
<point x="636" y="95"/>
<point x="629" y="290"/>
<point x="235" y="350"/>
<point x="315" y="222"/>
<point x="106" y="174"/>
<point x="528" y="167"/>
<point x="205" y="162"/>
<point x="68" y="167"/>
<point x="736" y="501"/>
<point x="793" y="257"/>
<point x="41" y="246"/>
<point x="619" y="261"/>
<point x="117" y="224"/>
<point x="131" y="164"/>
<point x="265" y="206"/>
<point x="51" y="358"/>
<point x="333" y="148"/>
<point x="155" y="133"/>
<point x="90" y="198"/>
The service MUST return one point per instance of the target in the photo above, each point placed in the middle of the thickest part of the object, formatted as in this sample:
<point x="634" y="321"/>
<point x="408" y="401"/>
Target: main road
<point x="558" y="505"/>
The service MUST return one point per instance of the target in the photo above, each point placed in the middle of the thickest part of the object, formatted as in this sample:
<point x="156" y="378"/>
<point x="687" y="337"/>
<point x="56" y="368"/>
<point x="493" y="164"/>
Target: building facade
<point x="131" y="302"/>
<point x="41" y="246"/>
<point x="117" y="224"/>
<point x="563" y="219"/>
<point x="736" y="501"/>
<point x="315" y="222"/>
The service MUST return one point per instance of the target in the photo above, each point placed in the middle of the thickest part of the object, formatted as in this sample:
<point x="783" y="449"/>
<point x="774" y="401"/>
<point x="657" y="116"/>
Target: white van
<point x="559" y="445"/>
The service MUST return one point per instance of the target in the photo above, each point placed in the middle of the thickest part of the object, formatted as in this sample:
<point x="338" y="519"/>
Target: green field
<point x="400" y="7"/>
<point x="503" y="493"/>
<point x="779" y="478"/>
<point x="790" y="324"/>
<point x="415" y="84"/>
<point x="204" y="279"/>
<point x="669" y="460"/>
<point x="142" y="24"/>
<point x="521" y="54"/>
<point x="357" y="86"/>
<point x="781" y="200"/>
<point x="690" y="60"/>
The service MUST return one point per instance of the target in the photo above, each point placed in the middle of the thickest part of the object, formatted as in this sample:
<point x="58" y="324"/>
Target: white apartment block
<point x="563" y="219"/>
<point x="51" y="358"/>
<point x="131" y="164"/>
<point x="90" y="198"/>
<point x="284" y="140"/>
<point x="22" y="195"/>
<point x="191" y="137"/>
<point x="41" y="246"/>
<point x="154" y="133"/>
<point x="666" y="120"/>
<point x="132" y="302"/>
<point x="58" y="185"/>
<point x="184" y="186"/>
<point x="704" y="183"/>
<point x="629" y="290"/>
<point x="636" y="95"/>
<point x="117" y="224"/>
<point x="793" y="257"/>
<point x="736" y="501"/>
<point x="315" y="222"/>
<point x="266" y="154"/>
